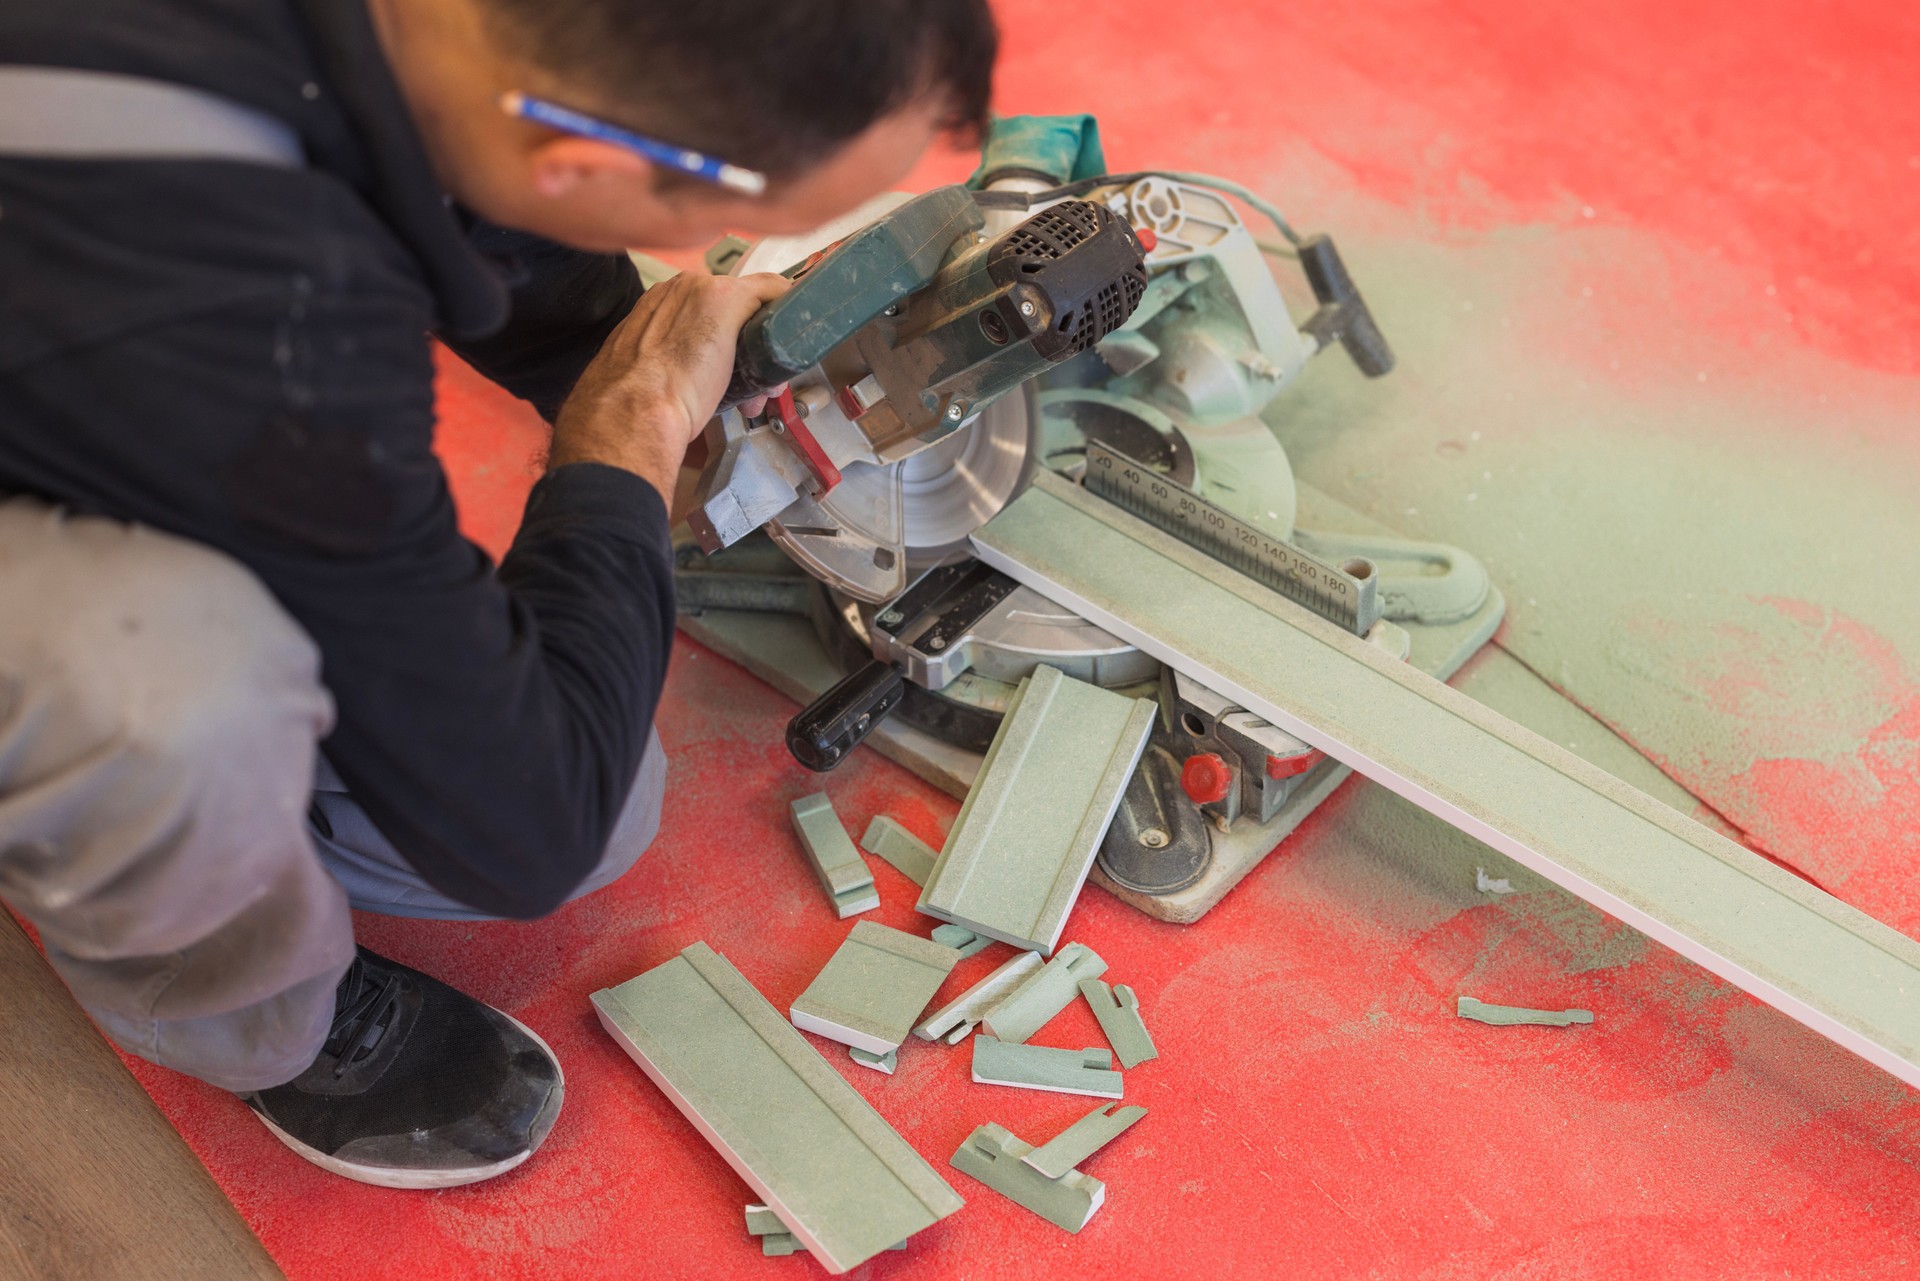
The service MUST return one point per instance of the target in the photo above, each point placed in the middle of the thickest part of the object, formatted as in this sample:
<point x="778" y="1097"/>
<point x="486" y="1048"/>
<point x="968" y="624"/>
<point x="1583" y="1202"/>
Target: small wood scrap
<point x="912" y="857"/>
<point x="1491" y="885"/>
<point x="842" y="1180"/>
<point x="873" y="988"/>
<point x="775" y="1244"/>
<point x="1118" y="1011"/>
<point x="763" y="1222"/>
<point x="1518" y="1016"/>
<point x="1029" y="1007"/>
<point x="997" y="1158"/>
<point x="878" y="1062"/>
<point x="775" y="1241"/>
<point x="764" y="1225"/>
<point x="842" y="872"/>
<point x="1047" y="791"/>
<point x="955" y="1020"/>
<point x="1067" y="1149"/>
<point x="1038" y="1067"/>
<point x="961" y="939"/>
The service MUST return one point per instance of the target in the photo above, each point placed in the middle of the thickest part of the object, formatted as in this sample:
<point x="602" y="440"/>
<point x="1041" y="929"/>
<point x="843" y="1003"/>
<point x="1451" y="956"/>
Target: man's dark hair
<point x="774" y="85"/>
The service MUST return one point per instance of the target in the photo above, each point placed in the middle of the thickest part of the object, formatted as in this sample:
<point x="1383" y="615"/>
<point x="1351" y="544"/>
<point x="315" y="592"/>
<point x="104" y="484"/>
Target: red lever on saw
<point x="824" y="472"/>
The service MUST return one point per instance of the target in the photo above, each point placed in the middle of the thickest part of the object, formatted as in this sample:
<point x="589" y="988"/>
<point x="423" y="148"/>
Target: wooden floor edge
<point x="94" y="1180"/>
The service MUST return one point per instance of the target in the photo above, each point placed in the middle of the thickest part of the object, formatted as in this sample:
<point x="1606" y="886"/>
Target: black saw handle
<point x="829" y="728"/>
<point x="1344" y="316"/>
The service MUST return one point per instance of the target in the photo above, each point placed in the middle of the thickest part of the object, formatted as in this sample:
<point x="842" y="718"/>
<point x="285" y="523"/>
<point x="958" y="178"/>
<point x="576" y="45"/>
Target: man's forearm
<point x="618" y="430"/>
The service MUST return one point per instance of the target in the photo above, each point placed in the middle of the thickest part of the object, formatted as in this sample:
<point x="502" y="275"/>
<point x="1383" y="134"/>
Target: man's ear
<point x="562" y="165"/>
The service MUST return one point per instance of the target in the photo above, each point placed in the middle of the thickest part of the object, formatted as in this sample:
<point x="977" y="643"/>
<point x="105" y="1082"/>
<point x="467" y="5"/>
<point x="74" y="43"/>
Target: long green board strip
<point x="1830" y="966"/>
<point x="842" y="1180"/>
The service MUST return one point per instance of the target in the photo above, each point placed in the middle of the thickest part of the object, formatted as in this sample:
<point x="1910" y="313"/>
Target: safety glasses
<point x="687" y="161"/>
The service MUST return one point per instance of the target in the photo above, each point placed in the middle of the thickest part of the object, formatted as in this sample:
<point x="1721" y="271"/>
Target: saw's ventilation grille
<point x="1106" y="313"/>
<point x="1089" y="268"/>
<point x="1115" y="303"/>
<point x="1051" y="232"/>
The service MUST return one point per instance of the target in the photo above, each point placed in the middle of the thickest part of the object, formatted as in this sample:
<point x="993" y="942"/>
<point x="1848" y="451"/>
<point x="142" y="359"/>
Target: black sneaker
<point x="418" y="1085"/>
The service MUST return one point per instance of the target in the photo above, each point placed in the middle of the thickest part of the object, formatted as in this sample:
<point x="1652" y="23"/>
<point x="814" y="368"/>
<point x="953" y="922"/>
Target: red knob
<point x="1206" y="778"/>
<point x="1148" y="241"/>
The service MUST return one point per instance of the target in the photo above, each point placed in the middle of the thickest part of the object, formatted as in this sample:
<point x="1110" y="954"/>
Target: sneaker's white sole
<point x="391" y="1177"/>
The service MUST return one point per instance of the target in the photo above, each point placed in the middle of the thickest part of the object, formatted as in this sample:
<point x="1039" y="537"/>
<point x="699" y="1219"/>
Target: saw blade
<point x="958" y="485"/>
<point x="926" y="506"/>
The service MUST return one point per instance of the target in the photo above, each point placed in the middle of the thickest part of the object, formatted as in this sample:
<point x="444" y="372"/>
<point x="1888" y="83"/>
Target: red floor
<point x="1317" y="1110"/>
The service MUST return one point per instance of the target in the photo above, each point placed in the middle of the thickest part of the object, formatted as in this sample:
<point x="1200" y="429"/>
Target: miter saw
<point x="935" y="351"/>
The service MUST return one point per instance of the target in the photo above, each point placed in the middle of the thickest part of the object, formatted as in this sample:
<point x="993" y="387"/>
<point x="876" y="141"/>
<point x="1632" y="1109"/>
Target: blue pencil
<point x="685" y="160"/>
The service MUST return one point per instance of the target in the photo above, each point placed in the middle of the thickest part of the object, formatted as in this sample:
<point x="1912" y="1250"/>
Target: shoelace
<point x="363" y="1017"/>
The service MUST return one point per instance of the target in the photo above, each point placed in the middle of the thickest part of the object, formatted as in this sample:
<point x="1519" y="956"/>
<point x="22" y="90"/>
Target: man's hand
<point x="660" y="375"/>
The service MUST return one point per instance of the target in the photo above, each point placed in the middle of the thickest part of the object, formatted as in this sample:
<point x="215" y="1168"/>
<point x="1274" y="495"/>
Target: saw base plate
<point x="785" y="650"/>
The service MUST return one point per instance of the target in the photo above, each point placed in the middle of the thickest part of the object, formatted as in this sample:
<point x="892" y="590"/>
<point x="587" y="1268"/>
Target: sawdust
<point x="1784" y="678"/>
<point x="1695" y="547"/>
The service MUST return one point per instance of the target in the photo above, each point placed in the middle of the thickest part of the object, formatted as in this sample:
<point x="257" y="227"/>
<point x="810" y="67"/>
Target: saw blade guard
<point x="886" y="523"/>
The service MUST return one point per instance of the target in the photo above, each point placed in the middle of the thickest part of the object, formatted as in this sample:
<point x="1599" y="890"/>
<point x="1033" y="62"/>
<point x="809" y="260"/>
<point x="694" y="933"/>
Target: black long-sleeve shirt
<point x="239" y="354"/>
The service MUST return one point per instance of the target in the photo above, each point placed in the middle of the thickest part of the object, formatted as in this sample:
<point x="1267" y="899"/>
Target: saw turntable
<point x="939" y="351"/>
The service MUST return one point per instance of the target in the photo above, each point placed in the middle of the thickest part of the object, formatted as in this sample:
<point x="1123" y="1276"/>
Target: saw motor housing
<point x="998" y="314"/>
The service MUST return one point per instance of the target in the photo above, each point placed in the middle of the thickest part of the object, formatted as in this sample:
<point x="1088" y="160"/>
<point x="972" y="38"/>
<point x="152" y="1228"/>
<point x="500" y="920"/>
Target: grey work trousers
<point x="159" y="722"/>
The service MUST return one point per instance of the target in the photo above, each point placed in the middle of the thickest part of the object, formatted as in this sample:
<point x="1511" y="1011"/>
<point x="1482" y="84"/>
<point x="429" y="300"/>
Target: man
<point x="250" y="675"/>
